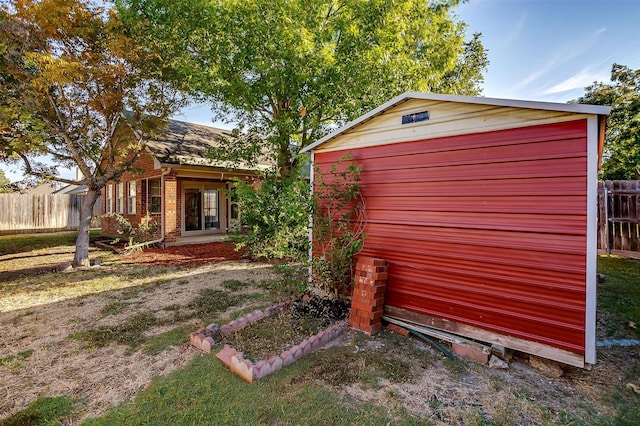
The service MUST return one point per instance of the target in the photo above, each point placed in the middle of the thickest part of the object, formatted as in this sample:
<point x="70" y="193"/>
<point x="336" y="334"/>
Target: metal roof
<point x="513" y="103"/>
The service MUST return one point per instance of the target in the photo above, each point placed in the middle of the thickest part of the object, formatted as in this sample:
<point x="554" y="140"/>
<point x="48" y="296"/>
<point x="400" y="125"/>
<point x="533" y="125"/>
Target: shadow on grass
<point x="6" y="277"/>
<point x="35" y="255"/>
<point x="21" y="243"/>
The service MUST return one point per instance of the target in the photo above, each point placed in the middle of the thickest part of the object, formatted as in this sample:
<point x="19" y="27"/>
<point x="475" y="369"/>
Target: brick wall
<point x="109" y="226"/>
<point x="171" y="197"/>
<point x="179" y="206"/>
<point x="367" y="303"/>
<point x="171" y="213"/>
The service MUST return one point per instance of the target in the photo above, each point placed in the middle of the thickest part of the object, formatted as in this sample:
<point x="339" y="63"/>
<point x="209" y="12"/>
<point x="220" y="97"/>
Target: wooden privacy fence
<point x="23" y="213"/>
<point x="619" y="217"/>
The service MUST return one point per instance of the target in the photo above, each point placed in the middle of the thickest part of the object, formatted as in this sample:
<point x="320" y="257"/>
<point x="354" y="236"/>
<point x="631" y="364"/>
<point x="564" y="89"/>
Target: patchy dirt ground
<point x="53" y="343"/>
<point x="38" y="357"/>
<point x="445" y="392"/>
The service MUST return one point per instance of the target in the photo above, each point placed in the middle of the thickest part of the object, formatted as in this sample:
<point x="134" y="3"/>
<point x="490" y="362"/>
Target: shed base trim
<point x="516" y="343"/>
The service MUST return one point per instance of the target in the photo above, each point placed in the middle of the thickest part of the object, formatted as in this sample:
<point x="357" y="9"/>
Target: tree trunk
<point x="81" y="257"/>
<point x="284" y="157"/>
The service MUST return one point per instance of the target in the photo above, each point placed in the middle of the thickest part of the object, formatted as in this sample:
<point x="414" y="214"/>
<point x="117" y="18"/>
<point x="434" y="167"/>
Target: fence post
<point x="606" y="220"/>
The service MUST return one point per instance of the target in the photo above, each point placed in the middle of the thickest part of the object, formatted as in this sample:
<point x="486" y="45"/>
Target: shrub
<point x="339" y="219"/>
<point x="274" y="216"/>
<point x="275" y="221"/>
<point x="135" y="235"/>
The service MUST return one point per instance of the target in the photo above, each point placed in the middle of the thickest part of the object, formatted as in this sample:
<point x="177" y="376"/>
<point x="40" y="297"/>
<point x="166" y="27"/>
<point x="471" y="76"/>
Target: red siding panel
<point x="484" y="229"/>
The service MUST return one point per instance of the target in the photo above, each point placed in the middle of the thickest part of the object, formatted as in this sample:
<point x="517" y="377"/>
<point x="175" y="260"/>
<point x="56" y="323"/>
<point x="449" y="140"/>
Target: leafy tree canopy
<point x="621" y="159"/>
<point x="5" y="183"/>
<point x="69" y="71"/>
<point x="293" y="70"/>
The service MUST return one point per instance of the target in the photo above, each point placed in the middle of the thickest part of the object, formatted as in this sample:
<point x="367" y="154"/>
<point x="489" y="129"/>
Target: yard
<point x="108" y="345"/>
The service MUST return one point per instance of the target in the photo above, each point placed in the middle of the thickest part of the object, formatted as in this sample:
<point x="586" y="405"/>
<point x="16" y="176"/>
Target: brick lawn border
<point x="234" y="359"/>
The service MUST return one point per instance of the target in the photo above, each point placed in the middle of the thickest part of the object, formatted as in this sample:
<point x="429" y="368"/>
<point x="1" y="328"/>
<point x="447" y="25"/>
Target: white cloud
<point x="515" y="33"/>
<point x="551" y="64"/>
<point x="577" y="81"/>
<point x="563" y="55"/>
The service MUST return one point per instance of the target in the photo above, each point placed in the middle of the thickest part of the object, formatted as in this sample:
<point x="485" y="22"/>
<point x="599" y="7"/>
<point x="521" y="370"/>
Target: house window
<point x="155" y="196"/>
<point x="108" y="202"/>
<point x="211" y="206"/>
<point x="131" y="194"/>
<point x="119" y="198"/>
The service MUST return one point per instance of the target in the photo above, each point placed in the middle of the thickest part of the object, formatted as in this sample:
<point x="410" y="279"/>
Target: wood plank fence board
<point x="25" y="213"/>
<point x="619" y="216"/>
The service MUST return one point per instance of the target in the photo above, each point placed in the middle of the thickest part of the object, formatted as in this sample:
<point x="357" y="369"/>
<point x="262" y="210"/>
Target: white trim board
<point x="592" y="241"/>
<point x="510" y="103"/>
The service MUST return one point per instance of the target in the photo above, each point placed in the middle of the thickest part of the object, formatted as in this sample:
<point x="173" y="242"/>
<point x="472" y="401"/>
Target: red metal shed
<point x="485" y="210"/>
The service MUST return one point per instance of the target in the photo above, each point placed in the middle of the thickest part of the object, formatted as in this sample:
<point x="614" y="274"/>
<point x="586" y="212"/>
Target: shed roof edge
<point x="514" y="103"/>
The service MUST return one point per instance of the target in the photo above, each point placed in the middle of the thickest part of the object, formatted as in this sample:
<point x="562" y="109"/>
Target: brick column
<point x="367" y="303"/>
<point x="170" y="208"/>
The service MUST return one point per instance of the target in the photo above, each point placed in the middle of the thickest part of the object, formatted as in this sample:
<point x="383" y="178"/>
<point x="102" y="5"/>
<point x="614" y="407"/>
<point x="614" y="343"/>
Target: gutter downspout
<point x="161" y="239"/>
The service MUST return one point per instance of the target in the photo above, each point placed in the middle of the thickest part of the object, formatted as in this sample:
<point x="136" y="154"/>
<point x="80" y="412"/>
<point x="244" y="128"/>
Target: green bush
<point x="275" y="217"/>
<point x="339" y="218"/>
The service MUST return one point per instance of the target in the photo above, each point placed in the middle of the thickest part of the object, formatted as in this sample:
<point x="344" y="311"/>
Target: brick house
<point x="181" y="189"/>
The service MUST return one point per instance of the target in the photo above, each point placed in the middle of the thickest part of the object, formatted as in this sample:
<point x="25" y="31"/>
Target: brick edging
<point x="203" y="339"/>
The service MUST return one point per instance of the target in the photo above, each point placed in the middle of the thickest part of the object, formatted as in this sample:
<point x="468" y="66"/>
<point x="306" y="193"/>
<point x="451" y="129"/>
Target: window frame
<point x="108" y="199"/>
<point x="151" y="196"/>
<point x="120" y="198"/>
<point x="132" y="192"/>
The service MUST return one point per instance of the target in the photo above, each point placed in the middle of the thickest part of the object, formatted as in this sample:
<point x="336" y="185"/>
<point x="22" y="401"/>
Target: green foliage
<point x="135" y="235"/>
<point x="275" y="217"/>
<point x="5" y="183"/>
<point x="339" y="219"/>
<point x="43" y="411"/>
<point x="621" y="159"/>
<point x="70" y="72"/>
<point x="299" y="67"/>
<point x="292" y="282"/>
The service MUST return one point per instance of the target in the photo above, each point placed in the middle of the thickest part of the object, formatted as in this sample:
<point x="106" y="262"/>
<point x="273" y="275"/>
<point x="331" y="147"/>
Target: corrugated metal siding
<point x="486" y="229"/>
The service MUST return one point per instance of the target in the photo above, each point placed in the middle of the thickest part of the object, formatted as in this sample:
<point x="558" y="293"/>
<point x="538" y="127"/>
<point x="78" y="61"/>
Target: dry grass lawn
<point x="41" y="312"/>
<point x="101" y="336"/>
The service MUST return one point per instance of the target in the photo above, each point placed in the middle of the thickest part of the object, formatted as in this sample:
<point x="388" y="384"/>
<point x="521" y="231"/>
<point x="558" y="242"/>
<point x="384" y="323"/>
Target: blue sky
<point x="551" y="49"/>
<point x="546" y="50"/>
